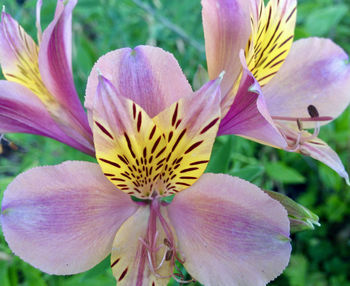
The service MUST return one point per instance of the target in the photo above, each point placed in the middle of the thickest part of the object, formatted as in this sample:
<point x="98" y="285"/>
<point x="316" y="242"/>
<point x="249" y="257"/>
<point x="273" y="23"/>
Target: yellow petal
<point x="190" y="126"/>
<point x="272" y="36"/>
<point x="19" y="58"/>
<point x="128" y="144"/>
<point x="163" y="155"/>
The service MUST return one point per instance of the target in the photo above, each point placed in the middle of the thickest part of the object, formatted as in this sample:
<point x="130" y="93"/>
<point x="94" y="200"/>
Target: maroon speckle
<point x="139" y="121"/>
<point x="129" y="145"/>
<point x="210" y="125"/>
<point x="123" y="159"/>
<point x="179" y="139"/>
<point x="199" y="162"/>
<point x="178" y="123"/>
<point x="152" y="132"/>
<point x="110" y="162"/>
<point x="173" y="120"/>
<point x="104" y="130"/>
<point x="123" y="274"/>
<point x="115" y="262"/>
<point x="193" y="146"/>
<point x="155" y="144"/>
<point x="188" y="170"/>
<point x="134" y="110"/>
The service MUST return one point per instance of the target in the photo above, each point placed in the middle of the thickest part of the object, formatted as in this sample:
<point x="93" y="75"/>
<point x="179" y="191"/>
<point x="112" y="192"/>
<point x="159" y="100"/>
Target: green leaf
<point x="200" y="77"/>
<point x="248" y="173"/>
<point x="321" y="21"/>
<point x="220" y="158"/>
<point x="284" y="174"/>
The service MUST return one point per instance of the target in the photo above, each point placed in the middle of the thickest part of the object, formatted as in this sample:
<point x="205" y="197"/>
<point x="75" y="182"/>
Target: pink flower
<point x="291" y="86"/>
<point x="153" y="138"/>
<point x="39" y="95"/>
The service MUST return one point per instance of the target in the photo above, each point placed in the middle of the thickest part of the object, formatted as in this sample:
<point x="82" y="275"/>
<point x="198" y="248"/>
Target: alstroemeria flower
<point x="65" y="219"/>
<point x="293" y="86"/>
<point x="39" y="95"/>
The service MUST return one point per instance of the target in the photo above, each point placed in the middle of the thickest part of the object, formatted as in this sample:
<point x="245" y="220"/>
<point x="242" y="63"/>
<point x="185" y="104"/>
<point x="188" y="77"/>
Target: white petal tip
<point x="254" y="88"/>
<point x="221" y="75"/>
<point x="99" y="72"/>
<point x="3" y="9"/>
<point x="347" y="181"/>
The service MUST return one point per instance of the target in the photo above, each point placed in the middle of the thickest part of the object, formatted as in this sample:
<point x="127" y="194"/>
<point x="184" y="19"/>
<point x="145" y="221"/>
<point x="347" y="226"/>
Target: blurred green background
<point x="320" y="257"/>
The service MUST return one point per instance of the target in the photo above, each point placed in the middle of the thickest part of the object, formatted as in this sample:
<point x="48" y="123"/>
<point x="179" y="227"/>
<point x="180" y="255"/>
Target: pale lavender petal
<point x="21" y="111"/>
<point x="227" y="29"/>
<point x="321" y="151"/>
<point x="230" y="232"/>
<point x="39" y="3"/>
<point x="62" y="219"/>
<point x="55" y="64"/>
<point x="316" y="72"/>
<point x="149" y="76"/>
<point x="249" y="117"/>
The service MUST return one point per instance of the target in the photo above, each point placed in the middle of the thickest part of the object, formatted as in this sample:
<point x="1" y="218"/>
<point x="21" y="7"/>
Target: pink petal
<point x="21" y="111"/>
<point x="55" y="64"/>
<point x="39" y="3"/>
<point x="149" y="76"/>
<point x="227" y="29"/>
<point x="320" y="150"/>
<point x="248" y="115"/>
<point x="315" y="73"/>
<point x="16" y="48"/>
<point x="230" y="232"/>
<point x="63" y="219"/>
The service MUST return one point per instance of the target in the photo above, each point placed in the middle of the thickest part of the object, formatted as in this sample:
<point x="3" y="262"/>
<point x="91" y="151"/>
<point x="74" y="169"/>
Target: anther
<point x="312" y="111"/>
<point x="167" y="243"/>
<point x="169" y="255"/>
<point x="300" y="124"/>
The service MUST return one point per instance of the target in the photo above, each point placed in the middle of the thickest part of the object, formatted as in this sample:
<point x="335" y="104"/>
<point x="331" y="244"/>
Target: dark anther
<point x="167" y="242"/>
<point x="169" y="255"/>
<point x="312" y="111"/>
<point x="300" y="124"/>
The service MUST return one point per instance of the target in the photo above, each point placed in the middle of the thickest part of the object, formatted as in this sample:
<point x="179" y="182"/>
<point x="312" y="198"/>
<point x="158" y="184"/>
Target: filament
<point x="301" y="138"/>
<point x="149" y="242"/>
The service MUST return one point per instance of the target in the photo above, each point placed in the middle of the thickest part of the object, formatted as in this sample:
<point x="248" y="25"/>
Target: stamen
<point x="312" y="111"/>
<point x="314" y="116"/>
<point x="167" y="242"/>
<point x="149" y="242"/>
<point x="296" y="145"/>
<point x="314" y="135"/>
<point x="300" y="124"/>
<point x="162" y="261"/>
<point x="169" y="255"/>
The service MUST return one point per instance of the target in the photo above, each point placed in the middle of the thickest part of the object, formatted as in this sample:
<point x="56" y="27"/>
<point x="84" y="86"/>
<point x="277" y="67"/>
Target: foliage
<point x="320" y="257"/>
